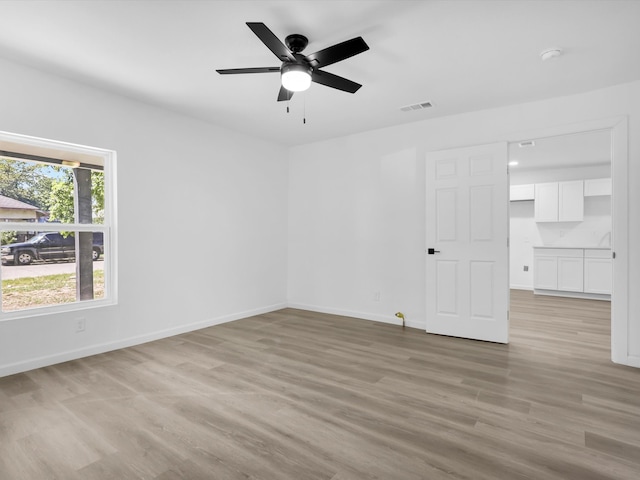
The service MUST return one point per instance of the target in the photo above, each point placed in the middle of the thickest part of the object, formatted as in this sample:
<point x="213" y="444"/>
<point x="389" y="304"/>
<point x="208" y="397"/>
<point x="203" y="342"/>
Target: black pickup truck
<point x="47" y="246"/>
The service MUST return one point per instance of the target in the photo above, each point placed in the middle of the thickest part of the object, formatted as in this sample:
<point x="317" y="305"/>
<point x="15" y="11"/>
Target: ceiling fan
<point x="297" y="70"/>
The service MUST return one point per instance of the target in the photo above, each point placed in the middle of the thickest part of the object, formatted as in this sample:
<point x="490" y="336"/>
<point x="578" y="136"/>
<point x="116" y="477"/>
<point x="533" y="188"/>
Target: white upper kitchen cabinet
<point x="545" y="205"/>
<point x="559" y="201"/>
<point x="597" y="187"/>
<point x="571" y="201"/>
<point x="519" y="193"/>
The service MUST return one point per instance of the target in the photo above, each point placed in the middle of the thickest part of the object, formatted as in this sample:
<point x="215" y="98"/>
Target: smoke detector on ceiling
<point x="550" y="53"/>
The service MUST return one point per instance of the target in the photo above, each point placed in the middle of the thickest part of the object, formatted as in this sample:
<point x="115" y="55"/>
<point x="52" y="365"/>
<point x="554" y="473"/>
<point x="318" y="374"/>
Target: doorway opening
<point x="561" y="219"/>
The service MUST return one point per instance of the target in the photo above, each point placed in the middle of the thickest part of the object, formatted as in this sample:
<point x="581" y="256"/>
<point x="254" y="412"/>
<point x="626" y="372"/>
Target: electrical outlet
<point x="526" y="268"/>
<point x="81" y="325"/>
<point x="376" y="296"/>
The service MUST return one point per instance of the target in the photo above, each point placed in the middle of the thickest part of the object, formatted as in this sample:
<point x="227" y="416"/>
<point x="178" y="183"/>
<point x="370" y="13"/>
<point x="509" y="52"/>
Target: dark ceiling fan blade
<point x="334" y="81"/>
<point x="338" y="52"/>
<point x="272" y="42"/>
<point x="232" y="71"/>
<point x="284" y="95"/>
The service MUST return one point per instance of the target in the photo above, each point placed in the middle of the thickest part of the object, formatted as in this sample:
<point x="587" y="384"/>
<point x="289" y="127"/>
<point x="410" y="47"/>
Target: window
<point x="57" y="227"/>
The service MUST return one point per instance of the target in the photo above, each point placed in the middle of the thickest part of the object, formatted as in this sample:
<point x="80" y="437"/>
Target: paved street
<point x="37" y="270"/>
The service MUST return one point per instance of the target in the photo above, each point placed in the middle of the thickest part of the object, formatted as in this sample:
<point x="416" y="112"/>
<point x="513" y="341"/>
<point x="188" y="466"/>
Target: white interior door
<point x="467" y="252"/>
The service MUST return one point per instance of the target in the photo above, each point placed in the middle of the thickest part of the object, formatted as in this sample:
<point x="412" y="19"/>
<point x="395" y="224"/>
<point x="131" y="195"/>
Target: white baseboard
<point x="521" y="287"/>
<point x="47" y="360"/>
<point x="633" y="361"/>
<point x="391" y="319"/>
<point x="586" y="296"/>
<point x="626" y="359"/>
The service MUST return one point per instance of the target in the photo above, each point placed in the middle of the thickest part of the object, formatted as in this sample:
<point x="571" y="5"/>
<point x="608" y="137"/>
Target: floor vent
<point x="417" y="106"/>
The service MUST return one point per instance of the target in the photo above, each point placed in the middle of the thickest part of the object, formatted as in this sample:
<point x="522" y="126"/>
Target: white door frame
<point x="620" y="222"/>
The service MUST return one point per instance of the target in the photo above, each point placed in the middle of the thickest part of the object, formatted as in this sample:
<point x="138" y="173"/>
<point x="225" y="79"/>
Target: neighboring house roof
<point x="7" y="202"/>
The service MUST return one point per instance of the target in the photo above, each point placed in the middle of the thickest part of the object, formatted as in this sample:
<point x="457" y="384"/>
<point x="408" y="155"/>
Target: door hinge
<point x="613" y="255"/>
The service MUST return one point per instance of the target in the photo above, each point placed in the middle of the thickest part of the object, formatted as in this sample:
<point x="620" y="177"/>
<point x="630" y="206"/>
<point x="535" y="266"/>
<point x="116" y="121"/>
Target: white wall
<point x="357" y="216"/>
<point x="355" y="213"/>
<point x="202" y="218"/>
<point x="523" y="177"/>
<point x="525" y="232"/>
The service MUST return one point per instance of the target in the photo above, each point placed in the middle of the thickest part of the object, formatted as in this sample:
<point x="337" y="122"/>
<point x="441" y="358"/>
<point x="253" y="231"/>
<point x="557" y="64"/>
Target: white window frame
<point x="90" y="155"/>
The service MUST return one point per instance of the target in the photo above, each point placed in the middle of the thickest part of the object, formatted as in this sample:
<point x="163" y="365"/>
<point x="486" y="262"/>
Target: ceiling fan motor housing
<point x="296" y="42"/>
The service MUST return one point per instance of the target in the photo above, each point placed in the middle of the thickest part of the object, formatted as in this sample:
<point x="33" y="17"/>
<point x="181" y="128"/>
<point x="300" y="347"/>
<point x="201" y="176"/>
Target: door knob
<point x="431" y="251"/>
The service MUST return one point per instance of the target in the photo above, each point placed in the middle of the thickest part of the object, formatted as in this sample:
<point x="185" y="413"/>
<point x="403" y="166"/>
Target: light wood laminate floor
<point x="304" y="396"/>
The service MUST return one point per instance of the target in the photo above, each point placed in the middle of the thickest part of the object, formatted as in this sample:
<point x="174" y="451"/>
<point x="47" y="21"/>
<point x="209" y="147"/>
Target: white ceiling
<point x="460" y="55"/>
<point x="575" y="150"/>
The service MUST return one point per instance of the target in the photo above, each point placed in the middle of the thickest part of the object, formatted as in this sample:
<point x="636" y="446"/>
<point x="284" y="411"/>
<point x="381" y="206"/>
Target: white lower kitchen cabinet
<point x="597" y="271"/>
<point x="545" y="272"/>
<point x="572" y="272"/>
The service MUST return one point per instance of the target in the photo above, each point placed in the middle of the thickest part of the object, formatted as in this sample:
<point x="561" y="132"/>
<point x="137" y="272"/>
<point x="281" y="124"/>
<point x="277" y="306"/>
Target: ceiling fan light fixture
<point x="295" y="77"/>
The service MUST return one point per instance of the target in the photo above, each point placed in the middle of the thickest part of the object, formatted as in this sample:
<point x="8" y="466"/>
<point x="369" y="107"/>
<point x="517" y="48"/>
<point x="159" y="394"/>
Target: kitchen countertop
<point x="573" y="246"/>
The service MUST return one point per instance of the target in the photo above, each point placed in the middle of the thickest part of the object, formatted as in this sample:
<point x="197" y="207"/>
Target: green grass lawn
<point x="31" y="292"/>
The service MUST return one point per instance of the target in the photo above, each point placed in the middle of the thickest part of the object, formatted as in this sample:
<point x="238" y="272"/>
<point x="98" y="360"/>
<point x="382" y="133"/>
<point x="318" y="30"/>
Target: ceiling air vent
<point x="527" y="143"/>
<point x="417" y="106"/>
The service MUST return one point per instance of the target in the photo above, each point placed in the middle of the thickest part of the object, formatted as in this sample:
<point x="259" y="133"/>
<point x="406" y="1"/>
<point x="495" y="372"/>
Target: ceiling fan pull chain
<point x="304" y="111"/>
